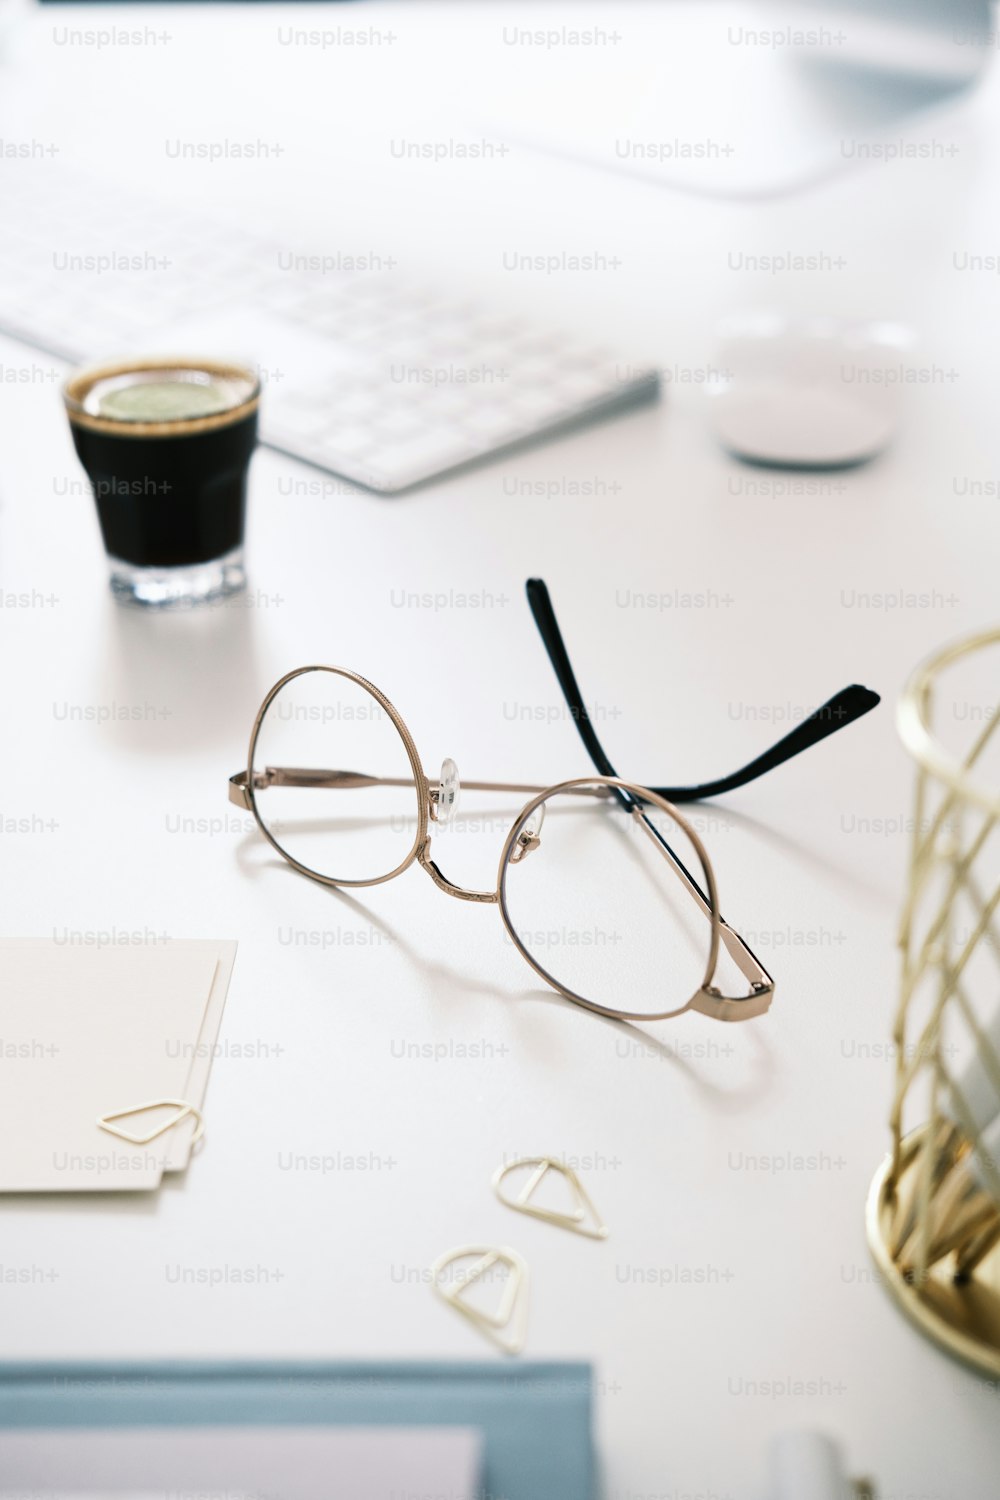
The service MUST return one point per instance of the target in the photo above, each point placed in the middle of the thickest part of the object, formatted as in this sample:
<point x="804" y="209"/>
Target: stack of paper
<point x="87" y="1033"/>
<point x="281" y="1463"/>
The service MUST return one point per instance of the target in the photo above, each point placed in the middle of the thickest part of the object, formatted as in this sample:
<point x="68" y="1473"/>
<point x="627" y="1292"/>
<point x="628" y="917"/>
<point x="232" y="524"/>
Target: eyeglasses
<point x="603" y="886"/>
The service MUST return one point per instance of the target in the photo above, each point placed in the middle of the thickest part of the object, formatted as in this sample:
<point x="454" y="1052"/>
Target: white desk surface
<point x="729" y="1302"/>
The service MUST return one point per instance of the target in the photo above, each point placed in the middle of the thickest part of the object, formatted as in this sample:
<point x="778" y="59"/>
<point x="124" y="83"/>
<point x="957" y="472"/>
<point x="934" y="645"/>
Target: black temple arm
<point x="842" y="709"/>
<point x="548" y="627"/>
<point x="839" y="711"/>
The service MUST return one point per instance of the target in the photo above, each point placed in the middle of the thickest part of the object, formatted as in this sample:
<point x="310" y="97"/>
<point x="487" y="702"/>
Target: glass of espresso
<point x="166" y="444"/>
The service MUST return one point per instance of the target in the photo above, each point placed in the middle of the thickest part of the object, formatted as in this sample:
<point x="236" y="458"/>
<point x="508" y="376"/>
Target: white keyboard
<point x="382" y="383"/>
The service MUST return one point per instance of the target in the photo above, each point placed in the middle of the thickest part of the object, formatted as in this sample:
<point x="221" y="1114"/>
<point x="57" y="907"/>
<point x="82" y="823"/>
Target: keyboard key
<point x="496" y="422"/>
<point x="354" y="406"/>
<point x="406" y="462"/>
<point x="580" y="386"/>
<point x="351" y="441"/>
<point x="538" y="405"/>
<point x="289" y="419"/>
<point x="398" y="422"/>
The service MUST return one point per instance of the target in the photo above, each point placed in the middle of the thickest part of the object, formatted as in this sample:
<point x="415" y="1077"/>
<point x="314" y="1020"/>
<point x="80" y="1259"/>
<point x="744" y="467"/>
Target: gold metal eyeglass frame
<point x="708" y="998"/>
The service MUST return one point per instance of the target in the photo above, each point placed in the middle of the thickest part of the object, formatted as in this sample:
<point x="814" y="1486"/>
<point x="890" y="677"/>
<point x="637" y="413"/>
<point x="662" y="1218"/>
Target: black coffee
<point x="166" y="448"/>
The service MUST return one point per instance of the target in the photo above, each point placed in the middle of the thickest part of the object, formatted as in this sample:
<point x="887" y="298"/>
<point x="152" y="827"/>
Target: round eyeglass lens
<point x="596" y="898"/>
<point x="333" y="781"/>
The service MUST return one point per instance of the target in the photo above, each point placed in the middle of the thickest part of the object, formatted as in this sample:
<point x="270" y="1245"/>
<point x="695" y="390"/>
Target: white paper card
<point x="84" y="1033"/>
<point x="242" y="1463"/>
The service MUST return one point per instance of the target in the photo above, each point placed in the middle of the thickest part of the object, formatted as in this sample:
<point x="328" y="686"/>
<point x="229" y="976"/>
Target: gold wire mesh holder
<point x="933" y="1221"/>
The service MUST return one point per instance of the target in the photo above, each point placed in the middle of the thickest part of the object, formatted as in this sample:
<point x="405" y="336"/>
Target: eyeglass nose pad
<point x="530" y="836"/>
<point x="449" y="792"/>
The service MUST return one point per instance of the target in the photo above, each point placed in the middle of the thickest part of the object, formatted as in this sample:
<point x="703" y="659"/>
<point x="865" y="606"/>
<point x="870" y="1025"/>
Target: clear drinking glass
<point x="166" y="444"/>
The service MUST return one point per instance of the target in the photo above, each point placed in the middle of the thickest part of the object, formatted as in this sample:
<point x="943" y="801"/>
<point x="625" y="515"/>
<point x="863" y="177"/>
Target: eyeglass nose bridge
<point x="442" y="807"/>
<point x="448" y="886"/>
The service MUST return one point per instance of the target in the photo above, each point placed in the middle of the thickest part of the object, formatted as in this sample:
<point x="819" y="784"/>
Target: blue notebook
<point x="535" y="1418"/>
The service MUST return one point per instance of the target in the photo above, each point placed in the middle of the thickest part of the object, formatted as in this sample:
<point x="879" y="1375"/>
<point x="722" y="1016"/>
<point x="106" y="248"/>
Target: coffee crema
<point x="161" y="394"/>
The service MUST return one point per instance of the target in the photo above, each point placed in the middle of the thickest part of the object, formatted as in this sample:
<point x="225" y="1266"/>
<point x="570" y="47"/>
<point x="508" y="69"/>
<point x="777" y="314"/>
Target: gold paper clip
<point x="583" y="1219"/>
<point x="506" y="1327"/>
<point x="182" y="1106"/>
